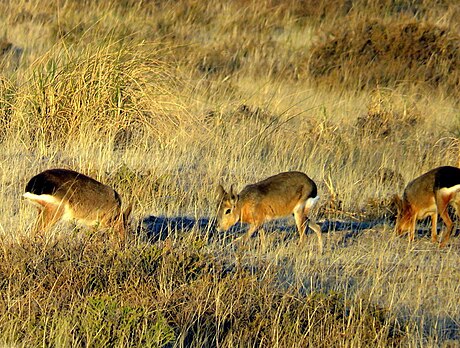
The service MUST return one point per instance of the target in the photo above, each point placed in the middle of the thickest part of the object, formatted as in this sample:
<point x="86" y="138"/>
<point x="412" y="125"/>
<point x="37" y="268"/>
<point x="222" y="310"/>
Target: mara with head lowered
<point x="68" y="195"/>
<point x="427" y="196"/>
<point x="277" y="196"/>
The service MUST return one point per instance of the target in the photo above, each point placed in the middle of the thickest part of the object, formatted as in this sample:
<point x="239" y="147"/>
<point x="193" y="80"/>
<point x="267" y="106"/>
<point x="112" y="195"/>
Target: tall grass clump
<point x="98" y="92"/>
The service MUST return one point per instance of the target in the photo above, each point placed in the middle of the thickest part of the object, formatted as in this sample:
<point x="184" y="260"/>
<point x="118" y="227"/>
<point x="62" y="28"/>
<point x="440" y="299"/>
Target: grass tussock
<point x="111" y="91"/>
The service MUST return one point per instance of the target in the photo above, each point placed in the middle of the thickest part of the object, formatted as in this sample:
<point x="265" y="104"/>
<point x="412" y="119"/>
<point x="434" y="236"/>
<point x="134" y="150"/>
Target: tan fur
<point x="62" y="194"/>
<point x="427" y="196"/>
<point x="277" y="196"/>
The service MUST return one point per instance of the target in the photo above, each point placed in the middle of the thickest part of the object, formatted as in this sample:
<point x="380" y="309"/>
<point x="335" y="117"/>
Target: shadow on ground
<point x="155" y="228"/>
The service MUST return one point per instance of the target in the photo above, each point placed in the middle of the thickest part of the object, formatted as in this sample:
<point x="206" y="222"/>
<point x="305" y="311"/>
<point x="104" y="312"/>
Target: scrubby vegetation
<point x="164" y="100"/>
<point x="82" y="293"/>
<point x="374" y="53"/>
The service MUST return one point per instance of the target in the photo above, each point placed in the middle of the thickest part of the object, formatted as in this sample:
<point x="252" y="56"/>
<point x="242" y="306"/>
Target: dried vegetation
<point x="164" y="100"/>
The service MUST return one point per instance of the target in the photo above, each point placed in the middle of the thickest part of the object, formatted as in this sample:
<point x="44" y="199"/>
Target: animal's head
<point x="403" y="215"/>
<point x="227" y="212"/>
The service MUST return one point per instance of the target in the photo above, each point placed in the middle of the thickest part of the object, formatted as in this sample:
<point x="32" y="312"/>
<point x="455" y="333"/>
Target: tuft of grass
<point x="94" y="93"/>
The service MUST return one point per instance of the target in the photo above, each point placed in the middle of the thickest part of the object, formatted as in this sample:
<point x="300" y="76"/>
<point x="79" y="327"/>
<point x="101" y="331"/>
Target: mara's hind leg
<point x="47" y="217"/>
<point x="442" y="208"/>
<point x="300" y="220"/>
<point x="122" y="223"/>
<point x="117" y="228"/>
<point x="434" y="227"/>
<point x="315" y="227"/>
<point x="456" y="204"/>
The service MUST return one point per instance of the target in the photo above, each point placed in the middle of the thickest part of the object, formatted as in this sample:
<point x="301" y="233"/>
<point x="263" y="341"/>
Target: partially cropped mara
<point x="429" y="195"/>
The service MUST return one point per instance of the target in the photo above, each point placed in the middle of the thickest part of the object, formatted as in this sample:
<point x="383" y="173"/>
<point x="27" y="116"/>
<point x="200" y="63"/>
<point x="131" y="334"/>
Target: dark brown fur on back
<point x="446" y="177"/>
<point x="50" y="181"/>
<point x="77" y="189"/>
<point x="280" y="184"/>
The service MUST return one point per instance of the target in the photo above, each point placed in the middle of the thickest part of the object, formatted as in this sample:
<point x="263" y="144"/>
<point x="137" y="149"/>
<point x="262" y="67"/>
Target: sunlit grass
<point x="166" y="100"/>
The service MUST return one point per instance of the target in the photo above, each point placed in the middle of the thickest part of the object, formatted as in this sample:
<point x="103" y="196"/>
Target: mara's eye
<point x="227" y="211"/>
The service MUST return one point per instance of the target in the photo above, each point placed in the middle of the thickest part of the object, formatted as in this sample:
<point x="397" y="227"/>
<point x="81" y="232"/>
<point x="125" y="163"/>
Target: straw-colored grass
<point x="164" y="100"/>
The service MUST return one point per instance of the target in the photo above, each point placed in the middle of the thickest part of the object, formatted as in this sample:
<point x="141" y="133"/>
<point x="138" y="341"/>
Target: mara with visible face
<point x="68" y="195"/>
<point x="277" y="196"/>
<point x="427" y="196"/>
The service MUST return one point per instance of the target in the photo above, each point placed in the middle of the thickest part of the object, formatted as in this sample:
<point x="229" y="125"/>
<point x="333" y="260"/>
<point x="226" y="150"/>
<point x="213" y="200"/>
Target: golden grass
<point x="165" y="100"/>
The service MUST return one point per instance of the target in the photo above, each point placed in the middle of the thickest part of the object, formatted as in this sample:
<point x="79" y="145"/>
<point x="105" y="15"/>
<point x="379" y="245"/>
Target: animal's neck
<point x="244" y="213"/>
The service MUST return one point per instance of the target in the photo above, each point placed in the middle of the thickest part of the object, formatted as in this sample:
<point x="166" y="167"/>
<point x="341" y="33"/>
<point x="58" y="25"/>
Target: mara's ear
<point x="398" y="203"/>
<point x="221" y="193"/>
<point x="233" y="194"/>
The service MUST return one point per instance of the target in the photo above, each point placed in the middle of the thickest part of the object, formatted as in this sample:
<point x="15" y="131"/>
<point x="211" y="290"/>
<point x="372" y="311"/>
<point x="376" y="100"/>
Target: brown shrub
<point x="385" y="118"/>
<point x="323" y="11"/>
<point x="375" y="52"/>
<point x="217" y="61"/>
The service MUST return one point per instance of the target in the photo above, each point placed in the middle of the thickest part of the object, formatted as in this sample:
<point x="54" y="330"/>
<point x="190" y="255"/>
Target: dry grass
<point x="378" y="53"/>
<point x="163" y="100"/>
<point x="82" y="292"/>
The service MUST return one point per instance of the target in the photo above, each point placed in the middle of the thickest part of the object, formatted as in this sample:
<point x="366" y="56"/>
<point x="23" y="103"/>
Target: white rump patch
<point x="68" y="214"/>
<point x="449" y="190"/>
<point x="311" y="202"/>
<point x="41" y="198"/>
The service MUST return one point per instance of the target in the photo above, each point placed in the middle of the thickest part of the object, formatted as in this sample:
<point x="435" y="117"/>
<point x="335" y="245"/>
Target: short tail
<point x="311" y="202"/>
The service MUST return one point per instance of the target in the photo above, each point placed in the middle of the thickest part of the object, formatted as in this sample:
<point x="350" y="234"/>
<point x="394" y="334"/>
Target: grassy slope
<point x="165" y="100"/>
